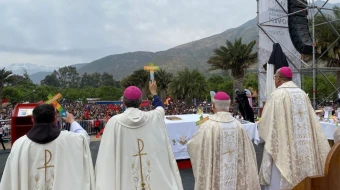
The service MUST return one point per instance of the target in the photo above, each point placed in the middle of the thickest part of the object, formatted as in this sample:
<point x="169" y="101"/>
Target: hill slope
<point x="193" y="55"/>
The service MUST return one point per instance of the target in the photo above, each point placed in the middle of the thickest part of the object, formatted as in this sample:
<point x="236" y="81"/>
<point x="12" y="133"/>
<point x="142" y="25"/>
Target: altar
<point x="181" y="131"/>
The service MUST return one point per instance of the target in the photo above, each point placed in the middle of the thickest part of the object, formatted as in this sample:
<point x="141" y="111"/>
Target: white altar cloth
<point x="181" y="131"/>
<point x="328" y="128"/>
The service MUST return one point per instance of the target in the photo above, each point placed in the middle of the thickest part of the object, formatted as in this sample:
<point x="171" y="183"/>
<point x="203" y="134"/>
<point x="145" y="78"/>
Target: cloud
<point x="46" y="32"/>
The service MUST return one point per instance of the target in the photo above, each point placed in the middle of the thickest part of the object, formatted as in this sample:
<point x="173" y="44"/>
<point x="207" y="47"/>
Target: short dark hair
<point x="284" y="78"/>
<point x="44" y="113"/>
<point x="132" y="103"/>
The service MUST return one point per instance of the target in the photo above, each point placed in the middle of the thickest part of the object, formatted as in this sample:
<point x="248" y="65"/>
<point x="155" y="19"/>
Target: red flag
<point x="107" y="117"/>
<point x="101" y="132"/>
<point x="87" y="114"/>
<point x="145" y="103"/>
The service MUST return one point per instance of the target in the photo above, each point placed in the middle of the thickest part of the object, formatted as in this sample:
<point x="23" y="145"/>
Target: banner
<point x="275" y="31"/>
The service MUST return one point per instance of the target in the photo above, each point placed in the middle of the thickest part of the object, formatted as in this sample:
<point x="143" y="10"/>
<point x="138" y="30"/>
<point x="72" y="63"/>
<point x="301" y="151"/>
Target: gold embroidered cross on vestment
<point x="300" y="113"/>
<point x="140" y="154"/>
<point x="229" y="152"/>
<point x="46" y="164"/>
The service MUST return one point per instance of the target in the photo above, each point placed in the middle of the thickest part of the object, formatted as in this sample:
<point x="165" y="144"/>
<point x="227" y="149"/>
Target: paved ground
<point x="187" y="175"/>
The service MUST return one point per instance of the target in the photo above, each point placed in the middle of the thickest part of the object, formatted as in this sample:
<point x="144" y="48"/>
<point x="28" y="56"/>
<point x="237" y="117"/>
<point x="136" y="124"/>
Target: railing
<point x="6" y="125"/>
<point x="88" y="125"/>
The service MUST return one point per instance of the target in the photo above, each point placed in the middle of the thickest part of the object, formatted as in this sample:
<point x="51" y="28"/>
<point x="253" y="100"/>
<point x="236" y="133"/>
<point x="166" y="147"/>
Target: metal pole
<point x="314" y="69"/>
<point x="259" y="75"/>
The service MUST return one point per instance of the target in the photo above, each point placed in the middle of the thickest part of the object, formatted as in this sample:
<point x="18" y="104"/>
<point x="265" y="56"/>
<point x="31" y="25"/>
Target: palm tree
<point x="324" y="39"/>
<point x="5" y="77"/>
<point x="235" y="57"/>
<point x="163" y="79"/>
<point x="138" y="78"/>
<point x="188" y="84"/>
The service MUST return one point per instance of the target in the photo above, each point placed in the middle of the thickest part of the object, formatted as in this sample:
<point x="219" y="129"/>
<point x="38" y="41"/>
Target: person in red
<point x="96" y="125"/>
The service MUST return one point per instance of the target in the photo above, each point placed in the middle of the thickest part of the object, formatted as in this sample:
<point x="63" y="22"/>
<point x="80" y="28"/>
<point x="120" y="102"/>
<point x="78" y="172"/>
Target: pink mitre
<point x="132" y="93"/>
<point x="286" y="72"/>
<point x="221" y="96"/>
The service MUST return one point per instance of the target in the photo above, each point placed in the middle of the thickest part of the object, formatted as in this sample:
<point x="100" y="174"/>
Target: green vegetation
<point x="235" y="57"/>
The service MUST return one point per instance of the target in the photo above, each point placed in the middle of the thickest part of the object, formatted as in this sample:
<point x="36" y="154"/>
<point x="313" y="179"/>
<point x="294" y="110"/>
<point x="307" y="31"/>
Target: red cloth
<point x="96" y="123"/>
<point x="107" y="117"/>
<point x="116" y="108"/>
<point x="4" y="100"/>
<point x="101" y="132"/>
<point x="87" y="114"/>
<point x="145" y="103"/>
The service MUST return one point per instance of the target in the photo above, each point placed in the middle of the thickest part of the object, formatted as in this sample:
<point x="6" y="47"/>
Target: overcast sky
<point x="65" y="32"/>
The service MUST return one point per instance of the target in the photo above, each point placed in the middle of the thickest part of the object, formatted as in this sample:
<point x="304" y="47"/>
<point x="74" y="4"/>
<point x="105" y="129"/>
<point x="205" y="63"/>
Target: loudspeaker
<point x="298" y="27"/>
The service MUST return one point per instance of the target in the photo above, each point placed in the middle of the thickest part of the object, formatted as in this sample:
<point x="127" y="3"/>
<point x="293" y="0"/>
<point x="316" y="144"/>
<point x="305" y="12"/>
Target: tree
<point x="17" y="80"/>
<point x="139" y="78"/>
<point x="109" y="93"/>
<point x="127" y="81"/>
<point x="5" y="77"/>
<point x="250" y="80"/>
<point x="68" y="77"/>
<point x="323" y="89"/>
<point x="70" y="94"/>
<point x="188" y="84"/>
<point x="218" y="83"/>
<point x="27" y="77"/>
<point x="43" y="91"/>
<point x="11" y="93"/>
<point x="95" y="79"/>
<point x="106" y="79"/>
<point x="235" y="57"/>
<point x="85" y="81"/>
<point x="51" y="80"/>
<point x="214" y="82"/>
<point x="163" y="79"/>
<point x="324" y="39"/>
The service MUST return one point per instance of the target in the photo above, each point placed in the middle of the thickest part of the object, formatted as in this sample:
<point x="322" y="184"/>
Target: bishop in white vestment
<point x="221" y="153"/>
<point x="337" y="135"/>
<point x="135" y="152"/>
<point x="47" y="158"/>
<point x="295" y="147"/>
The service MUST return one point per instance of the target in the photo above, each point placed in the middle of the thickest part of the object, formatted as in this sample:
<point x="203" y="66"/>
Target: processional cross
<point x="46" y="163"/>
<point x="54" y="101"/>
<point x="151" y="67"/>
<point x="140" y="154"/>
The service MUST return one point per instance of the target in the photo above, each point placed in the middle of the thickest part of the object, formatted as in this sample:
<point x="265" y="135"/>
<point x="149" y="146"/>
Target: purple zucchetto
<point x="132" y="93"/>
<point x="286" y="72"/>
<point x="221" y="96"/>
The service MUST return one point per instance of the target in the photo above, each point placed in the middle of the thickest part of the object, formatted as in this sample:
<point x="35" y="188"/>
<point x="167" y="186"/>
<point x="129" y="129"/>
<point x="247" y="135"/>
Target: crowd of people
<point x="87" y="113"/>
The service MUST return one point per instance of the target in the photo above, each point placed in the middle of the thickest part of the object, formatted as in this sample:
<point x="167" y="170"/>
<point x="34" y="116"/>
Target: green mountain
<point x="193" y="55"/>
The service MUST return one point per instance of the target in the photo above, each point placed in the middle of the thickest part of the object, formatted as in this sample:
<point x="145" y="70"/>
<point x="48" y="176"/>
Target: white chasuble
<point x="135" y="153"/>
<point x="64" y="163"/>
<point x="293" y="137"/>
<point x="222" y="155"/>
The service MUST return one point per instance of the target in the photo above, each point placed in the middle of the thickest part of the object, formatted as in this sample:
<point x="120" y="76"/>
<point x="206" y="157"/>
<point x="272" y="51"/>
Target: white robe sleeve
<point x="76" y="128"/>
<point x="11" y="173"/>
<point x="337" y="135"/>
<point x="107" y="162"/>
<point x="88" y="176"/>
